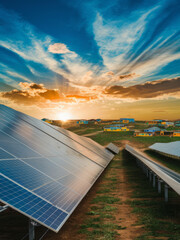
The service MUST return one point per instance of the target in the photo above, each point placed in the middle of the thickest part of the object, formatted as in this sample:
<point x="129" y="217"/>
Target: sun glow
<point x="64" y="116"/>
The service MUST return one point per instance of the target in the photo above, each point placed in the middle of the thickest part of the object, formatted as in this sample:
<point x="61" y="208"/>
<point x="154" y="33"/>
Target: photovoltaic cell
<point x="30" y="204"/>
<point x="44" y="172"/>
<point x="23" y="174"/>
<point x="5" y="155"/>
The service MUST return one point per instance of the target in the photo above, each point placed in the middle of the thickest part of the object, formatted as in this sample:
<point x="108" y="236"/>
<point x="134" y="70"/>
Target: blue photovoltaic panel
<point x="23" y="174"/>
<point x="51" y="171"/>
<point x="59" y="195"/>
<point x="30" y="204"/>
<point x="5" y="155"/>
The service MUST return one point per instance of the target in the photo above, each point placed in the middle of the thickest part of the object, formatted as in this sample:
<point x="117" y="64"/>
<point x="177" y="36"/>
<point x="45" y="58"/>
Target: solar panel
<point x="30" y="204"/>
<point x="111" y="147"/>
<point x="172" y="148"/>
<point x="44" y="173"/>
<point x="12" y="115"/>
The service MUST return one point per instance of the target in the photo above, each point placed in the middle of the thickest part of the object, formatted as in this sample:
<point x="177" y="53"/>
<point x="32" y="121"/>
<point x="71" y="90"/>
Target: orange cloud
<point x="82" y="97"/>
<point x="38" y="94"/>
<point x="147" y="90"/>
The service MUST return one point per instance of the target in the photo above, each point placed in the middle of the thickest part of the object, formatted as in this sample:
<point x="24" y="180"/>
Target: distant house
<point x="167" y="124"/>
<point x="153" y="129"/>
<point x="177" y="123"/>
<point x="47" y="120"/>
<point x="98" y="120"/>
<point x="127" y="120"/>
<point x="143" y="134"/>
<point x="166" y="133"/>
<point x="176" y="134"/>
<point x="115" y="129"/>
<point x="82" y="122"/>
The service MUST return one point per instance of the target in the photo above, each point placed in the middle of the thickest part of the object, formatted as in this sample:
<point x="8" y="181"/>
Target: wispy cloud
<point x="134" y="44"/>
<point x="116" y="37"/>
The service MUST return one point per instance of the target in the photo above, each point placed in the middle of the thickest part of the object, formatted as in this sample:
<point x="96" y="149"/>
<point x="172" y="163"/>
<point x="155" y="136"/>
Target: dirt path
<point x="127" y="219"/>
<point x="124" y="215"/>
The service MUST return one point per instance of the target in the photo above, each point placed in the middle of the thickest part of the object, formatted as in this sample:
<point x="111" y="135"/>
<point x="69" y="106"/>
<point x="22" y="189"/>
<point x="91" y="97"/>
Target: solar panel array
<point x="172" y="148"/>
<point x="44" y="173"/>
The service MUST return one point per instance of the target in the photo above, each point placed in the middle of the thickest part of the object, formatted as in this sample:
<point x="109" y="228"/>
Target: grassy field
<point x="82" y="130"/>
<point x="106" y="137"/>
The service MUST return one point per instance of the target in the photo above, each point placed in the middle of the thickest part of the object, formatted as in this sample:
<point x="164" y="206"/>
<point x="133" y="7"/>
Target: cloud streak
<point x="149" y="90"/>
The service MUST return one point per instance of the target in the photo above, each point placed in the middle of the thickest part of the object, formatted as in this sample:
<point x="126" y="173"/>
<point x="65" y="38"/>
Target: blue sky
<point x="95" y="52"/>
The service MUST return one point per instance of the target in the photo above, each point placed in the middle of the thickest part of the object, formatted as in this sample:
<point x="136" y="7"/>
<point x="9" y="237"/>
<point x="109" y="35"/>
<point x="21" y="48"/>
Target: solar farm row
<point x="170" y="177"/>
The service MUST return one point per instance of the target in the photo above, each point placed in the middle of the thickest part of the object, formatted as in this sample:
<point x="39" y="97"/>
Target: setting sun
<point x="64" y="116"/>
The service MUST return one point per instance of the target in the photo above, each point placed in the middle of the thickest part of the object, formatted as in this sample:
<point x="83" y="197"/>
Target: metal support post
<point x="159" y="185"/>
<point x="31" y="230"/>
<point x="144" y="168"/>
<point x="154" y="180"/>
<point x="147" y="172"/>
<point x="150" y="175"/>
<point x="32" y="225"/>
<point x="3" y="208"/>
<point x="166" y="192"/>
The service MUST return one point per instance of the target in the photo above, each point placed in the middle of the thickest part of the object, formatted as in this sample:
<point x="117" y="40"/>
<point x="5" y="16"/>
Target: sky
<point x="91" y="58"/>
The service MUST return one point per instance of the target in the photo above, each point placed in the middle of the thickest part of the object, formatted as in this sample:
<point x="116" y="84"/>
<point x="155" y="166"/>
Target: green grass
<point x="105" y="138"/>
<point x="85" y="129"/>
<point x="173" y="128"/>
<point x="171" y="163"/>
<point x="140" y="126"/>
<point x="105" y="199"/>
<point x="94" y="228"/>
